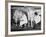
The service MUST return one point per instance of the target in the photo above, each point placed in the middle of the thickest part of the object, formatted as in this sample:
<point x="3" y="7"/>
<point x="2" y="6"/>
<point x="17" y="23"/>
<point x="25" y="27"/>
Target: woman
<point x="23" y="20"/>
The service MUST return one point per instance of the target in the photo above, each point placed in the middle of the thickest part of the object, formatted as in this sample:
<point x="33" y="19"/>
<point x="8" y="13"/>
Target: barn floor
<point x="36" y="27"/>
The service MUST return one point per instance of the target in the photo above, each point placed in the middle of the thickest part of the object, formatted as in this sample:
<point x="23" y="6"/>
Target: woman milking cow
<point x="20" y="18"/>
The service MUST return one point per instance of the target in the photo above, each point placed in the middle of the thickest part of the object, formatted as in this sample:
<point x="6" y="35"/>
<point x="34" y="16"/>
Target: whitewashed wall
<point x="2" y="18"/>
